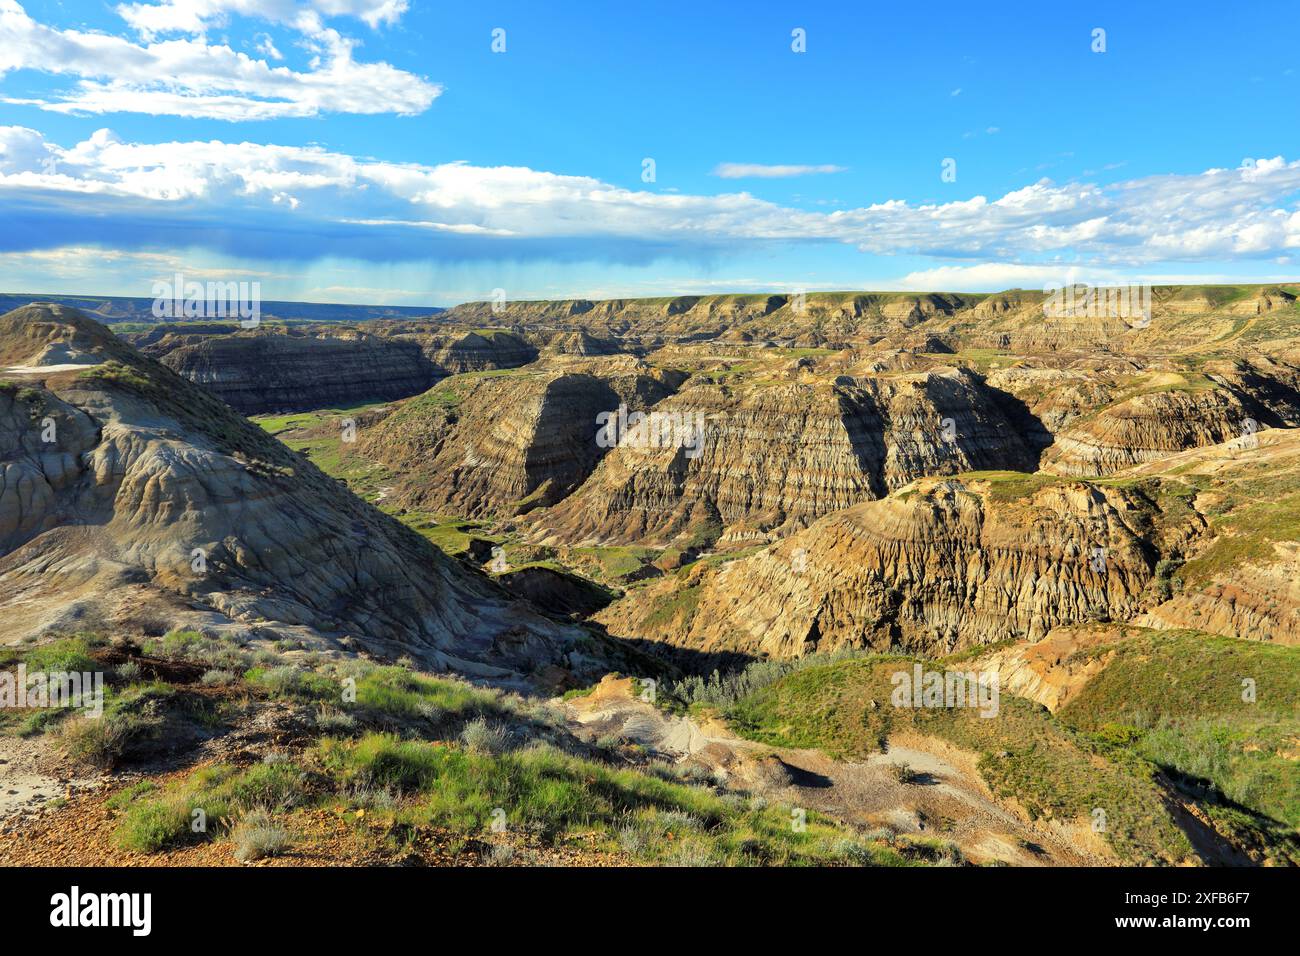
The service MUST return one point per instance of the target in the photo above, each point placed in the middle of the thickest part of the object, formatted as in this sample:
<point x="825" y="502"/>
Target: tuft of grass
<point x="483" y="737"/>
<point x="257" y="836"/>
<point x="201" y="806"/>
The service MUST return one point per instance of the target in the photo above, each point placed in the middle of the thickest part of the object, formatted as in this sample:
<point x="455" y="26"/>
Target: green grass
<point x="1245" y="532"/>
<point x="396" y="691"/>
<point x="298" y="421"/>
<point x="158" y="820"/>
<point x="1024" y="753"/>
<point x="449" y="533"/>
<point x="294" y="683"/>
<point x="547" y="792"/>
<point x="64" y="654"/>
<point x="1176" y="698"/>
<point x="1011" y="485"/>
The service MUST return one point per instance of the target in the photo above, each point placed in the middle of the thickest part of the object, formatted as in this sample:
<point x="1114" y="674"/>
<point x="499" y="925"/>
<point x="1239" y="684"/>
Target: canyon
<point x="701" y="490"/>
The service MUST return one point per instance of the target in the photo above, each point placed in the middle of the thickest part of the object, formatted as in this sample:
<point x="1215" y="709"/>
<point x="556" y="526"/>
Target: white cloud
<point x="759" y="171"/>
<point x="195" y="16"/>
<point x="997" y="276"/>
<point x="266" y="46"/>
<point x="1219" y="214"/>
<point x="190" y="77"/>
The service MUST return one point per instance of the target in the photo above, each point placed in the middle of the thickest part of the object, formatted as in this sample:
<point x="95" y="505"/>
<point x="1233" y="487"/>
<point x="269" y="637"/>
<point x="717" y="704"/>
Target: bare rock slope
<point x="151" y="505"/>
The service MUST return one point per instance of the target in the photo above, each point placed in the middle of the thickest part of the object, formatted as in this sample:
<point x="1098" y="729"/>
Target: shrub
<point x="677" y="822"/>
<point x="103" y="741"/>
<point x="500" y="854"/>
<point x="178" y="643"/>
<point x="156" y="825"/>
<point x="853" y="853"/>
<point x="482" y="737"/>
<point x="726" y="690"/>
<point x="268" y="785"/>
<point x="334" y="721"/>
<point x="257" y="835"/>
<point x="128" y="671"/>
<point x="903" y="773"/>
<point x="217" y="678"/>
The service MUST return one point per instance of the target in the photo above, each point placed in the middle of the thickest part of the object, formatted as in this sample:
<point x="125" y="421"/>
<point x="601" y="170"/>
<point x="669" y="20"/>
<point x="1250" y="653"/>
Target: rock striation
<point x="944" y="565"/>
<point x="503" y="444"/>
<point x="155" y="506"/>
<point x="772" y="455"/>
<point x="275" y="371"/>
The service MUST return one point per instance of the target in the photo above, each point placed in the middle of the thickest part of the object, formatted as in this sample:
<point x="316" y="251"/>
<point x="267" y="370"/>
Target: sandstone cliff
<point x="504" y="444"/>
<point x="938" y="567"/>
<point x="769" y="455"/>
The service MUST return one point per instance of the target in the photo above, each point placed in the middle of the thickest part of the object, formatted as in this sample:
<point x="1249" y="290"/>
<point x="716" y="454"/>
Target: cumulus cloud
<point x="195" y="16"/>
<point x="759" y="171"/>
<point x="505" y="211"/>
<point x="190" y="77"/>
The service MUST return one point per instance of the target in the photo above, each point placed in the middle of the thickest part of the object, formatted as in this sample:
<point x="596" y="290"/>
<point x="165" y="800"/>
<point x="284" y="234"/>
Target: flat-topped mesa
<point x="949" y="564"/>
<point x="304" y="367"/>
<point x="1134" y="318"/>
<point x="150" y="503"/>
<point x="272" y="371"/>
<point x="503" y="444"/>
<point x="761" y="458"/>
<point x="813" y="318"/>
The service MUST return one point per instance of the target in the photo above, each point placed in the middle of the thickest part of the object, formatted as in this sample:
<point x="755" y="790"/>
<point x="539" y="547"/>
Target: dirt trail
<point x="943" y="797"/>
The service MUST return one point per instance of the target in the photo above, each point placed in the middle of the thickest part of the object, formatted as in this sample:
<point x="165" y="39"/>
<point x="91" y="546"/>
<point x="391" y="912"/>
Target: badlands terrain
<point x="627" y="582"/>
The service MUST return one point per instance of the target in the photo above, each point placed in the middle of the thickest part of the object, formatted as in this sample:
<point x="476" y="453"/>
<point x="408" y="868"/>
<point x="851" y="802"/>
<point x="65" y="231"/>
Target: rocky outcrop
<point x="1146" y="428"/>
<point x="766" y="457"/>
<point x="942" y="566"/>
<point x="580" y="342"/>
<point x="1054" y="670"/>
<point x="505" y="444"/>
<point x="156" y="506"/>
<point x="479" y="351"/>
<point x="266" y="371"/>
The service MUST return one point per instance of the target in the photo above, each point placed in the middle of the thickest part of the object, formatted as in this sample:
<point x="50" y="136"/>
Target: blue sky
<point x="380" y="151"/>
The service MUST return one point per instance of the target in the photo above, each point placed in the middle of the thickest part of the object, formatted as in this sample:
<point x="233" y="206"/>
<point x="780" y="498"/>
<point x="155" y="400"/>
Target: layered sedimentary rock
<point x="264" y="371"/>
<point x="504" y="444"/>
<point x="580" y="342"/>
<point x="479" y="351"/>
<point x="813" y="319"/>
<point x="945" y="565"/>
<point x="1146" y="428"/>
<point x="1137" y="319"/>
<point x="767" y="456"/>
<point x="152" y="505"/>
